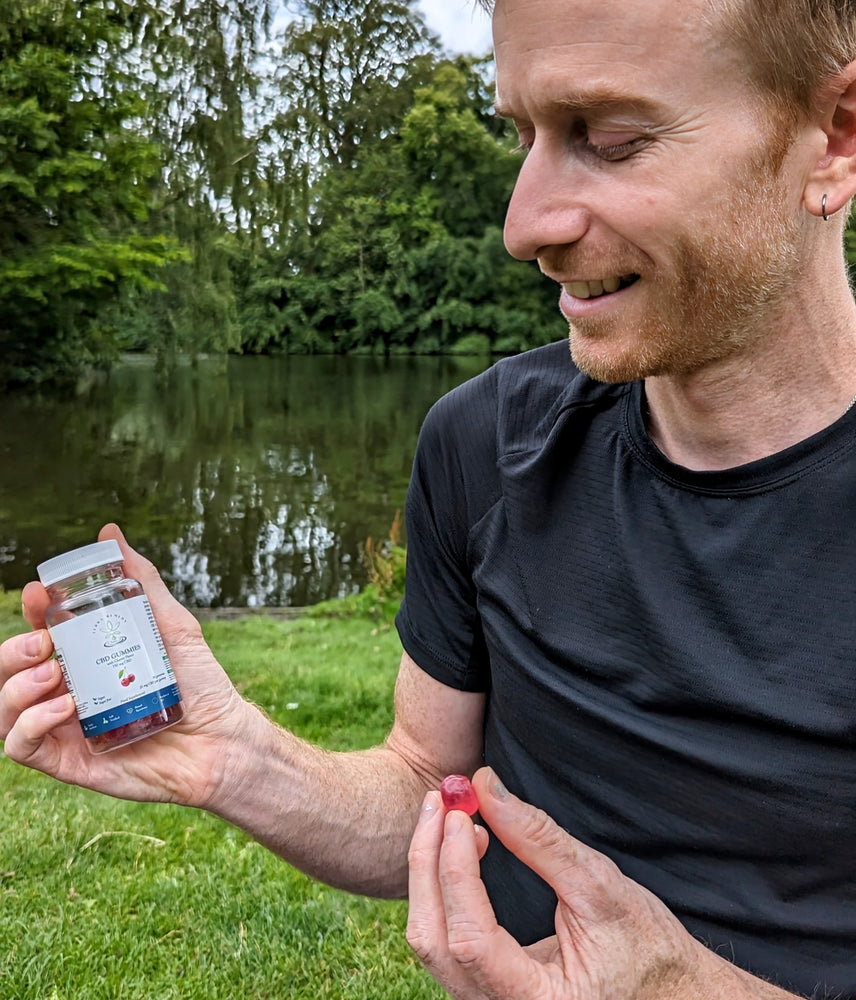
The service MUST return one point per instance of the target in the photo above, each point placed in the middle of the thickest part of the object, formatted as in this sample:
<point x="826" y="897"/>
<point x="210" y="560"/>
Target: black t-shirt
<point x="669" y="656"/>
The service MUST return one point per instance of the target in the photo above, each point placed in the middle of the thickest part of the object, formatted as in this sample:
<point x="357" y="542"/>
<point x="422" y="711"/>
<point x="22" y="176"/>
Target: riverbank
<point x="11" y="620"/>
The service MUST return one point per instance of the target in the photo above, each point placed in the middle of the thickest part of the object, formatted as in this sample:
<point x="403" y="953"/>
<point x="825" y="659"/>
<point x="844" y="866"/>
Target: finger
<point x="26" y="741"/>
<point x="482" y="840"/>
<point x="426" y="929"/>
<point x="539" y="842"/>
<point x="23" y="651"/>
<point x="493" y="961"/>
<point x="468" y="910"/>
<point x="426" y="921"/>
<point x="168" y="611"/>
<point x="136" y="565"/>
<point x="34" y="604"/>
<point x="25" y="688"/>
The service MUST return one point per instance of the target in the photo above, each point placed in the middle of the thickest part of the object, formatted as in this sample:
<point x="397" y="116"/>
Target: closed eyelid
<point x="617" y="135"/>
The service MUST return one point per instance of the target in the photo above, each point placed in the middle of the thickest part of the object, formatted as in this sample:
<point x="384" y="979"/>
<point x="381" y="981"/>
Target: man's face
<point x="650" y="190"/>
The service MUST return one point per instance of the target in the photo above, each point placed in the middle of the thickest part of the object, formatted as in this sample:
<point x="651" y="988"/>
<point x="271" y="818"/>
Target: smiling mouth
<point x="594" y="289"/>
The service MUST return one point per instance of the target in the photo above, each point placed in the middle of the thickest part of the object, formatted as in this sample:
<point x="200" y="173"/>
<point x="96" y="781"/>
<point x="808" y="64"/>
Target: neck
<point x="785" y="387"/>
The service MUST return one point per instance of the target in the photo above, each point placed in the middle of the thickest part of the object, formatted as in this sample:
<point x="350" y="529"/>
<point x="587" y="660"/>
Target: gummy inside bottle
<point x="139" y="729"/>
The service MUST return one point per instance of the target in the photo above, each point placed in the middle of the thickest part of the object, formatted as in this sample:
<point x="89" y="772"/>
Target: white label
<point x="112" y="658"/>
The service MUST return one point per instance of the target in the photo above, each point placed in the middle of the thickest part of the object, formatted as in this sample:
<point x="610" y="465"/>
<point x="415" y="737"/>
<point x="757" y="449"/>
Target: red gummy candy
<point x="458" y="793"/>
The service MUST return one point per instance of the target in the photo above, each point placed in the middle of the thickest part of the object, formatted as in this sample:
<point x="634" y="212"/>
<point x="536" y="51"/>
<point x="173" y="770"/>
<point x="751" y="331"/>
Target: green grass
<point x="102" y="899"/>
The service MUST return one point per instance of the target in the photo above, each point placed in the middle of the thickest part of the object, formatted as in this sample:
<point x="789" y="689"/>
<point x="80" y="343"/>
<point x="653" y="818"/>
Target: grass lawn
<point x="102" y="899"/>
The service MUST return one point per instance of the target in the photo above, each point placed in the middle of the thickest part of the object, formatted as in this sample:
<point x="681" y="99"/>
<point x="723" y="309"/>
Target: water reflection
<point x="253" y="484"/>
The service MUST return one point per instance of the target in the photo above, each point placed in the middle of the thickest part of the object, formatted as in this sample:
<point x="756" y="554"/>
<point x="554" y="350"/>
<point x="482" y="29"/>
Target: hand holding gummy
<point x="458" y="793"/>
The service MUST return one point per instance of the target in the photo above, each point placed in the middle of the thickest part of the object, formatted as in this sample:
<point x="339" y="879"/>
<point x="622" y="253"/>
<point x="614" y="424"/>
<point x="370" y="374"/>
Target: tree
<point x="402" y="249"/>
<point x="172" y="187"/>
<point x="348" y="67"/>
<point x="200" y="65"/>
<point x="74" y="183"/>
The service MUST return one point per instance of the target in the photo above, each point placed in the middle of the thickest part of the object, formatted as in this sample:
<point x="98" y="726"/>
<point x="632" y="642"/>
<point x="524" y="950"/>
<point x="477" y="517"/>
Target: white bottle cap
<point x="78" y="561"/>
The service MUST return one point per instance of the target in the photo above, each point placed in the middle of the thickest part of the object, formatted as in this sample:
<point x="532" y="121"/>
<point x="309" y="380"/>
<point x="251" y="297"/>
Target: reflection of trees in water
<point x="268" y="537"/>
<point x="254" y="485"/>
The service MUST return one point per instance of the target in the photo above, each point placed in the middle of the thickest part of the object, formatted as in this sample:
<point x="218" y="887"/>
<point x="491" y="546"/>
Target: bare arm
<point x="343" y="817"/>
<point x="347" y="818"/>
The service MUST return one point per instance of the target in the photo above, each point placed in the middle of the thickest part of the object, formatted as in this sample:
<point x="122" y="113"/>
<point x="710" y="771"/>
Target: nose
<point x="546" y="208"/>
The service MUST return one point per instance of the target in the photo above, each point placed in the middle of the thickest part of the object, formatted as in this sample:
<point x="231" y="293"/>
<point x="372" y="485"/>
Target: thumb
<point x="167" y="609"/>
<point x="536" y="839"/>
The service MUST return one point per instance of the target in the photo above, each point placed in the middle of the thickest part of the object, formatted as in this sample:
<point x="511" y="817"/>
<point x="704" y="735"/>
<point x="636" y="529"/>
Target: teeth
<point x="592" y="289"/>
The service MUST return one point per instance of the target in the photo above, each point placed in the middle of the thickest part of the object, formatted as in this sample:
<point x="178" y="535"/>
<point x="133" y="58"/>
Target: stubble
<point x="722" y="291"/>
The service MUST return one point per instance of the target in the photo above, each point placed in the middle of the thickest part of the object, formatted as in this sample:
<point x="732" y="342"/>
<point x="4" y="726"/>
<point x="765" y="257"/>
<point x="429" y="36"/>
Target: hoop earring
<point x="823" y="209"/>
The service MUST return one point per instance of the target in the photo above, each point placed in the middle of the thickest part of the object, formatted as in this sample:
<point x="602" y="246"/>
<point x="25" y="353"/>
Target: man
<point x="628" y="575"/>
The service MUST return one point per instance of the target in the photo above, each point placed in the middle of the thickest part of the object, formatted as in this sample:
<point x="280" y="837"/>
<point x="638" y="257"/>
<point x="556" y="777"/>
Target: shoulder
<point x="512" y="405"/>
<point x="534" y="377"/>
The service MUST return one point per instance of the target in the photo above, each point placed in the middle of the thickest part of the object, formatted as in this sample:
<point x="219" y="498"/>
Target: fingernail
<point x="496" y="787"/>
<point x="44" y="671"/>
<point x="429" y="807"/>
<point x="62" y="706"/>
<point x="33" y="643"/>
<point x="455" y="822"/>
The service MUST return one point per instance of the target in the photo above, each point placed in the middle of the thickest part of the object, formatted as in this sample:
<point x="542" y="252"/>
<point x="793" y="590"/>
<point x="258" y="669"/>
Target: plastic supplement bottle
<point x="109" y="647"/>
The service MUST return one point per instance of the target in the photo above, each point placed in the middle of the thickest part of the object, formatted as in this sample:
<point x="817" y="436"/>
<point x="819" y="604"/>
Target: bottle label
<point x="115" y="665"/>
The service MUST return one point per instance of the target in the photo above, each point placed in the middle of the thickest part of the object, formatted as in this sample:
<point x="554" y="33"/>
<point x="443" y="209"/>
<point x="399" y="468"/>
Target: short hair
<point x="791" y="47"/>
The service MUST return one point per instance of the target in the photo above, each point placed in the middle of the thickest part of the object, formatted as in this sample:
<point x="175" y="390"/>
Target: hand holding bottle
<point x="185" y="763"/>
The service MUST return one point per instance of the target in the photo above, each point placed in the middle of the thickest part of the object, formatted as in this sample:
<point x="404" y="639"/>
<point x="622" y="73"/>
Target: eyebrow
<point x="599" y="101"/>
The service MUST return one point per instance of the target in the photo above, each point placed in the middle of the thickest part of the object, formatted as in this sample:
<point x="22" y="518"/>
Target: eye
<point x="613" y="145"/>
<point x="620" y="151"/>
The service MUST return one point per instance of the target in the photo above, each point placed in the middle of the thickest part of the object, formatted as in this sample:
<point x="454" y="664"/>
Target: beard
<point x="722" y="292"/>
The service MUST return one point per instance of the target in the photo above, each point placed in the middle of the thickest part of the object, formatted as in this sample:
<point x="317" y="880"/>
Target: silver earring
<point x="823" y="209"/>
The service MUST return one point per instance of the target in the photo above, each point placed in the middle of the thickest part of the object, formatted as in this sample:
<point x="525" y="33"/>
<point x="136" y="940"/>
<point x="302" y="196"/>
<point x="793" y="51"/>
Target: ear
<point x="834" y="171"/>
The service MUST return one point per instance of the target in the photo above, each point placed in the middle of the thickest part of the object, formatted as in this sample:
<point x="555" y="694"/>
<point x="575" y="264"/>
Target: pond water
<point x="256" y="483"/>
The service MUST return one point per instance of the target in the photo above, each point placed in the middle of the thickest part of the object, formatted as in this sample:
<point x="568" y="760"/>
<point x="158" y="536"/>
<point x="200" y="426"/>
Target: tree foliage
<point x="74" y="187"/>
<point x="344" y="74"/>
<point x="402" y="247"/>
<point x="241" y="175"/>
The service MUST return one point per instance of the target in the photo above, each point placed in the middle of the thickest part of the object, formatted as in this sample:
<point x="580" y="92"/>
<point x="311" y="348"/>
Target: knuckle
<point x="6" y="657"/>
<point x="18" y="740"/>
<point x="544" y="831"/>
<point x="603" y="877"/>
<point x="182" y="628"/>
<point x="421" y="941"/>
<point x="465" y="944"/>
<point x="13" y="696"/>
<point x="417" y="856"/>
<point x="606" y="871"/>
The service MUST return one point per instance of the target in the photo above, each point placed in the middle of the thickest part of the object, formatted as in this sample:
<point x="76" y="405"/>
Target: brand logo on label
<point x="112" y="629"/>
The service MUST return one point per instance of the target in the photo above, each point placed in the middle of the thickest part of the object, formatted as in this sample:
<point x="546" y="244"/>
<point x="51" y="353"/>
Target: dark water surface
<point x="254" y="485"/>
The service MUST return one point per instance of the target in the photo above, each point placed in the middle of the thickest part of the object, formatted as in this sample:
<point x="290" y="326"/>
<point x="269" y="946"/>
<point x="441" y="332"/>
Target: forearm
<point x="344" y="818"/>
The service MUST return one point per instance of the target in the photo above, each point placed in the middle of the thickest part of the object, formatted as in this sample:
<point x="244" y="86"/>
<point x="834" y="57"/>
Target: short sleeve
<point x="454" y="480"/>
